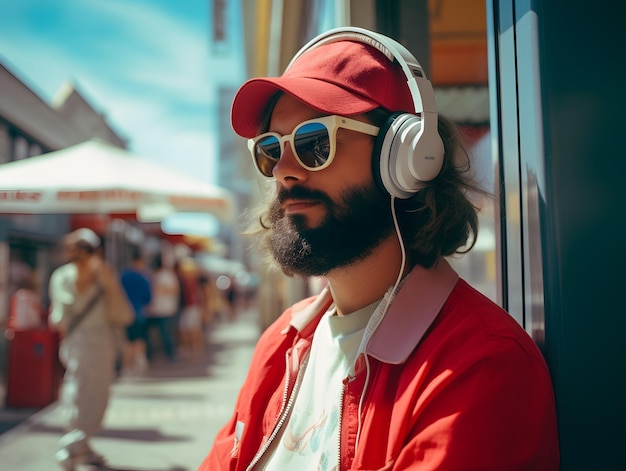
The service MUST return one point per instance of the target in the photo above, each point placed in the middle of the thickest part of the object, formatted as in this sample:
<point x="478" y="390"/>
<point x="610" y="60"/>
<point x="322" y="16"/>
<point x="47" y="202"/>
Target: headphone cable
<point x="387" y="304"/>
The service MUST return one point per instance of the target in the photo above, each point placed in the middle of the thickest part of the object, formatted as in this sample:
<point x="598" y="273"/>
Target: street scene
<point x="128" y="299"/>
<point x="162" y="420"/>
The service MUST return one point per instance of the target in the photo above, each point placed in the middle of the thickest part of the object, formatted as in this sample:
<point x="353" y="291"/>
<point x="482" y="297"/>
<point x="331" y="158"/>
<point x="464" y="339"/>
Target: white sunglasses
<point x="313" y="143"/>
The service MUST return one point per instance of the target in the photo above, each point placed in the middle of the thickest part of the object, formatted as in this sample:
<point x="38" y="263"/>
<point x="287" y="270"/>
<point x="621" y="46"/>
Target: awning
<point x="97" y="177"/>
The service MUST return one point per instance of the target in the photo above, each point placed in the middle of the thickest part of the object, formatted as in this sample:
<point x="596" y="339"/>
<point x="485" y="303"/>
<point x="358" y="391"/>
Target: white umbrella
<point x="98" y="178"/>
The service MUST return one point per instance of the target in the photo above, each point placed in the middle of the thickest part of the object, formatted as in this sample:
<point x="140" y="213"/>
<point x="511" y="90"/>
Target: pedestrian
<point x="398" y="364"/>
<point x="181" y="305"/>
<point x="190" y="327"/>
<point x="87" y="304"/>
<point x="164" y="306"/>
<point x="136" y="284"/>
<point x="209" y="305"/>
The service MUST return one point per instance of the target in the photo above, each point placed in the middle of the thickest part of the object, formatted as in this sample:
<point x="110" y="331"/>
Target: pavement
<point x="163" y="420"/>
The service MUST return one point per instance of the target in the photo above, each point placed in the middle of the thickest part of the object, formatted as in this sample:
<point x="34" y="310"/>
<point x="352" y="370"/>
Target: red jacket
<point x="455" y="384"/>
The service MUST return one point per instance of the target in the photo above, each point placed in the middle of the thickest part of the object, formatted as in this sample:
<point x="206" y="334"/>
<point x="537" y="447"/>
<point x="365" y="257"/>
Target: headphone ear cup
<point x="380" y="165"/>
<point x="406" y="157"/>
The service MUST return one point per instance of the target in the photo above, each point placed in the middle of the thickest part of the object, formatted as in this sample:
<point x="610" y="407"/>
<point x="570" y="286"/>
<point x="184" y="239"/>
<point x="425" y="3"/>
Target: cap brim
<point x="251" y="100"/>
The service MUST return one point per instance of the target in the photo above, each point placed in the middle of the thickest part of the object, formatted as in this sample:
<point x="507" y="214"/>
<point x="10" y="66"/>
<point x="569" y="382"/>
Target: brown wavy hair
<point x="439" y="220"/>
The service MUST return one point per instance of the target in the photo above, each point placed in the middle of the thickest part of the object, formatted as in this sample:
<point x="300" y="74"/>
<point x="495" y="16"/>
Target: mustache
<point x="300" y="192"/>
<point x="275" y="213"/>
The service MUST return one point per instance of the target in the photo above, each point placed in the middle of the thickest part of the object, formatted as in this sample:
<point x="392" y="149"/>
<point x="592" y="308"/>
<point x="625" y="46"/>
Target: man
<point x="80" y="293"/>
<point x="398" y="364"/>
<point x="137" y="287"/>
<point x="164" y="306"/>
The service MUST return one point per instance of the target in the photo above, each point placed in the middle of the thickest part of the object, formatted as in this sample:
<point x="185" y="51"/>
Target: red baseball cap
<point x="343" y="77"/>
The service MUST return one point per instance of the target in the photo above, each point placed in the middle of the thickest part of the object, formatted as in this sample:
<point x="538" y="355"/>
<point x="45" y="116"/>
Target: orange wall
<point x="458" y="38"/>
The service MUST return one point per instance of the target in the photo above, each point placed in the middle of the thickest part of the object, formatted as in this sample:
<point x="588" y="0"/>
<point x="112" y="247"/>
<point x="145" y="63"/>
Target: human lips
<point x="293" y="206"/>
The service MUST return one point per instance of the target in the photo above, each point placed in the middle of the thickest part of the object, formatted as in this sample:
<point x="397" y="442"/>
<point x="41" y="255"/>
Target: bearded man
<point x="398" y="364"/>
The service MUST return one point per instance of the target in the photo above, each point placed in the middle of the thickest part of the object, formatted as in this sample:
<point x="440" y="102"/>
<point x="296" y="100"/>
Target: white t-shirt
<point x="165" y="294"/>
<point x="310" y="438"/>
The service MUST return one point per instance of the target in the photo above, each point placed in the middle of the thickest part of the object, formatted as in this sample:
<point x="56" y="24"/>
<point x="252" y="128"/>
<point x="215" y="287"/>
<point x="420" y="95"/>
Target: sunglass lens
<point x="266" y="154"/>
<point x="312" y="144"/>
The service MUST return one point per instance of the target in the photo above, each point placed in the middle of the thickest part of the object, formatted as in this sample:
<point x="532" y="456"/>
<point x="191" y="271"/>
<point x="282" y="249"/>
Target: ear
<point x="406" y="155"/>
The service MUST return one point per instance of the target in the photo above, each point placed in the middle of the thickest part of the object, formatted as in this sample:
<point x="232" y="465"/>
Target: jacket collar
<point x="302" y="319"/>
<point x="410" y="314"/>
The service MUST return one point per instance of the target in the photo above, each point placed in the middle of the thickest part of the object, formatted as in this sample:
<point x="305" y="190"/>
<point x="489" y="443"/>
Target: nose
<point x="288" y="170"/>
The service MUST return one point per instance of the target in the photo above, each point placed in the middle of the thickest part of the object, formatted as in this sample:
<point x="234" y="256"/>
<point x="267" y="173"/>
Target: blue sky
<point x="147" y="65"/>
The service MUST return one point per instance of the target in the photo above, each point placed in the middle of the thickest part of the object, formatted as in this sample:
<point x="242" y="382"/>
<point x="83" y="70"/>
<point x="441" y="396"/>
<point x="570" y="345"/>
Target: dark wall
<point x="407" y="22"/>
<point x="583" y="74"/>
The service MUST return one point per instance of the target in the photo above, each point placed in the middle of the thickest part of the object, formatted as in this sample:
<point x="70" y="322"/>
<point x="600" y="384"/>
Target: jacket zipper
<point x="287" y="403"/>
<point x="340" y="421"/>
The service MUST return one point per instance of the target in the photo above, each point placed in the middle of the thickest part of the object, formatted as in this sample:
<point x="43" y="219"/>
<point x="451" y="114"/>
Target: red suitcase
<point x="33" y="368"/>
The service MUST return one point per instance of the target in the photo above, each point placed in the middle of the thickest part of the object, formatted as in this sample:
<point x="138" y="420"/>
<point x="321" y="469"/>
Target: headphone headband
<point x="410" y="149"/>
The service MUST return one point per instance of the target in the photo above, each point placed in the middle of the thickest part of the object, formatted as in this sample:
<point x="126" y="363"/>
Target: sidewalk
<point x="163" y="421"/>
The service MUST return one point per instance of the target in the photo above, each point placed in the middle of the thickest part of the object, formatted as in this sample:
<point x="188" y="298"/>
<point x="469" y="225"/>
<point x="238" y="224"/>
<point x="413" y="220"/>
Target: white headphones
<point x="408" y="151"/>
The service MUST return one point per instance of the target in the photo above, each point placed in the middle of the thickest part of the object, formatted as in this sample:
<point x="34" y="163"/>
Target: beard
<point x="352" y="228"/>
